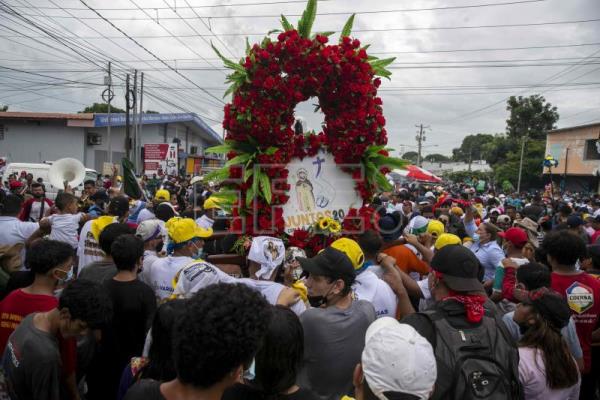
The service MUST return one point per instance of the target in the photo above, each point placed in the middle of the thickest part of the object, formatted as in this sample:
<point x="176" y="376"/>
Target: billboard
<point x="161" y="159"/>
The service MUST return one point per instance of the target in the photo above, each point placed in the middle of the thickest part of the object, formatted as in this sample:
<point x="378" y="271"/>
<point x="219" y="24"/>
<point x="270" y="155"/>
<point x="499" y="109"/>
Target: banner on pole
<point x="160" y="159"/>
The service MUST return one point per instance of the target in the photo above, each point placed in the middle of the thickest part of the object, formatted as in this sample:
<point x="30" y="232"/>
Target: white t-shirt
<point x="64" y="228"/>
<point x="13" y="230"/>
<point x="159" y="276"/>
<point x="144" y="215"/>
<point x="532" y="375"/>
<point x="36" y="207"/>
<point x="150" y="256"/>
<point x="88" y="248"/>
<point x="370" y="288"/>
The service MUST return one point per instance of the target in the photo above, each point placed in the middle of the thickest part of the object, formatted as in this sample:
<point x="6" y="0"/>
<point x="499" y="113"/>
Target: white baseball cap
<point x="149" y="229"/>
<point x="196" y="276"/>
<point x="396" y="358"/>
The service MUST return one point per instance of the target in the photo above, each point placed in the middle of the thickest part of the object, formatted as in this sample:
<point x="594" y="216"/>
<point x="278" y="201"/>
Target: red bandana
<point x="473" y="304"/>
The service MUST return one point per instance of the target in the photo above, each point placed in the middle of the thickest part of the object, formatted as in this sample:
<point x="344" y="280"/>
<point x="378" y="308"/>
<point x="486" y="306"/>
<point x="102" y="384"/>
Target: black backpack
<point x="477" y="363"/>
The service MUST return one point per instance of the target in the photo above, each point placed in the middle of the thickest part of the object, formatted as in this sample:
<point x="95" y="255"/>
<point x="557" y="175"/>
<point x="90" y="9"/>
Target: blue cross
<point x="318" y="162"/>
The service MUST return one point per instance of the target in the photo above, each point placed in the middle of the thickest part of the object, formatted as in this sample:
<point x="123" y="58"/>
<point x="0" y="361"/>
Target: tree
<point x="3" y="108"/>
<point x="436" y="158"/>
<point x="530" y="116"/>
<point x="101" y="108"/>
<point x="411" y="156"/>
<point x="508" y="169"/>
<point x="472" y="147"/>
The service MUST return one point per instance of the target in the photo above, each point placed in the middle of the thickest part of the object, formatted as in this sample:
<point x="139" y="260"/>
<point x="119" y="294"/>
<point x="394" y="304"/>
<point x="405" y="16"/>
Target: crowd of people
<point x="456" y="294"/>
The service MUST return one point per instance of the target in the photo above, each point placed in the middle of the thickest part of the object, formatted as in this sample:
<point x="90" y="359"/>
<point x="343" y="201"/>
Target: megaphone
<point x="66" y="169"/>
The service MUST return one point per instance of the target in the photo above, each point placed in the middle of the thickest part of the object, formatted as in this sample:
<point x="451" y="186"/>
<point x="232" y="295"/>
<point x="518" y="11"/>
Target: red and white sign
<point x="160" y="158"/>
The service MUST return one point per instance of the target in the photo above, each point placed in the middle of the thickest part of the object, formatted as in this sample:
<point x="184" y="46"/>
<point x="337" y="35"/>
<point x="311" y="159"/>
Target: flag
<point x="131" y="186"/>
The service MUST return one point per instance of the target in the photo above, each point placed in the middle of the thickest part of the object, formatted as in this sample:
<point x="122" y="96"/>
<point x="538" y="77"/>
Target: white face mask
<point x="249" y="374"/>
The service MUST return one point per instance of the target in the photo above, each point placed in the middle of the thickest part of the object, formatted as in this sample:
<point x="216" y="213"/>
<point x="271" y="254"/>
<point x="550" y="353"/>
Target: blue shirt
<point x="490" y="254"/>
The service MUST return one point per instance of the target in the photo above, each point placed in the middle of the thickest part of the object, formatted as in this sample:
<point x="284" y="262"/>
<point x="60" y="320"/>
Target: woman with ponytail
<point x="546" y="368"/>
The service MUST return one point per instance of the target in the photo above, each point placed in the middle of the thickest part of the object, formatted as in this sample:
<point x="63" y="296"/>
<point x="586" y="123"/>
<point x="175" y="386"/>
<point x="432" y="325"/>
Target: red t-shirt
<point x="582" y="292"/>
<point x="595" y="237"/>
<point x="17" y="305"/>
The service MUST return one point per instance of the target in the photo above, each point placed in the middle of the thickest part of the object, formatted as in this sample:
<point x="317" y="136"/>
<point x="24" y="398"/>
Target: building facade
<point x="577" y="150"/>
<point x="38" y="137"/>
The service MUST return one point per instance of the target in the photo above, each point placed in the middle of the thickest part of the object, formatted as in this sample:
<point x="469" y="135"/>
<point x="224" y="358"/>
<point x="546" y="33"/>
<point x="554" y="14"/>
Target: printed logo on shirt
<point x="580" y="297"/>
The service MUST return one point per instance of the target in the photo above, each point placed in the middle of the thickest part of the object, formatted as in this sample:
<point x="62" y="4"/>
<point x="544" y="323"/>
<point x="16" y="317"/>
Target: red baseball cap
<point x="516" y="236"/>
<point x="15" y="184"/>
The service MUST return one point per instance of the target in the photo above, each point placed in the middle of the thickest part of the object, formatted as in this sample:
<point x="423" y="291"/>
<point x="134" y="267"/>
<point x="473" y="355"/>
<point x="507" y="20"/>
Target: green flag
<point x="131" y="187"/>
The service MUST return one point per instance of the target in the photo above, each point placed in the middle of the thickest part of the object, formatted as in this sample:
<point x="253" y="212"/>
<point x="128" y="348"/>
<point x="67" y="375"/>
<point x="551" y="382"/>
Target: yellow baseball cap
<point x="162" y="194"/>
<point x="435" y="227"/>
<point x="350" y="248"/>
<point x="446" y="239"/>
<point x="184" y="229"/>
<point x="457" y="211"/>
<point x="211" y="203"/>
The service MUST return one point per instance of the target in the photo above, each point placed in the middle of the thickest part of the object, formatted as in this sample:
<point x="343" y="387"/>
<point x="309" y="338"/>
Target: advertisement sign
<point x="318" y="188"/>
<point x="160" y="159"/>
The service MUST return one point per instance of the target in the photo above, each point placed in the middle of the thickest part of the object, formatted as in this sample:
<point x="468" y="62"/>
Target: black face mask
<point x="159" y="247"/>
<point x="317" y="301"/>
<point x="38" y="196"/>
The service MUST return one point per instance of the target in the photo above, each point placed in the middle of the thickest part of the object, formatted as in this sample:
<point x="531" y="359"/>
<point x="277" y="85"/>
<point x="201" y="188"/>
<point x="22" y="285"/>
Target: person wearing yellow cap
<point x="186" y="240"/>
<point x="161" y="196"/>
<point x="368" y="285"/>
<point x="446" y="239"/>
<point x="435" y="228"/>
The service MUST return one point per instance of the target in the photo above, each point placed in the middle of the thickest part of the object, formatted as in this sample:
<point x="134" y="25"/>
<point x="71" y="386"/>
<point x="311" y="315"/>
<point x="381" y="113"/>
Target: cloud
<point x="443" y="101"/>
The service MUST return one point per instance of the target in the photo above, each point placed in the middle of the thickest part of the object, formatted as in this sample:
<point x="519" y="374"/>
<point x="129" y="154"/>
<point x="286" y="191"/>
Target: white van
<point x="41" y="171"/>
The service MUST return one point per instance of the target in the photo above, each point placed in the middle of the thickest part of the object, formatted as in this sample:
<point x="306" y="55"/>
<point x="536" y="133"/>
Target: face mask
<point x="318" y="301"/>
<point x="523" y="328"/>
<point x="68" y="277"/>
<point x="159" y="247"/>
<point x="476" y="237"/>
<point x="38" y="195"/>
<point x="249" y="374"/>
<point x="199" y="253"/>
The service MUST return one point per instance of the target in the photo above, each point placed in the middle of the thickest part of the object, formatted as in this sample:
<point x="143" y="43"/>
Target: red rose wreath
<point x="266" y="86"/>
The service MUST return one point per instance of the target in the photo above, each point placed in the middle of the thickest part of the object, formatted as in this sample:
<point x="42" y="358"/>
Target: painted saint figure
<point x="304" y="192"/>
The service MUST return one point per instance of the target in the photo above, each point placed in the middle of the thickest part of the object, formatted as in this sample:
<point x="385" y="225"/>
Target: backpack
<point x="477" y="363"/>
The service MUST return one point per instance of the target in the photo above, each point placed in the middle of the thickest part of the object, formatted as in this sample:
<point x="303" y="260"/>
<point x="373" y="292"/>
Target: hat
<point x="330" y="262"/>
<point x="211" y="203"/>
<point x="550" y="305"/>
<point x="390" y="227"/>
<point x="397" y="359"/>
<point x="528" y="224"/>
<point x="503" y="219"/>
<point x="162" y="194"/>
<point x="457" y="211"/>
<point x="148" y="229"/>
<point x="350" y="248"/>
<point x="15" y="184"/>
<point x="516" y="236"/>
<point x="574" y="221"/>
<point x="495" y="210"/>
<point x="460" y="268"/>
<point x="182" y="230"/>
<point x="435" y="227"/>
<point x="446" y="239"/>
<point x="429" y="195"/>
<point x="118" y="206"/>
<point x="502" y="196"/>
<point x="268" y="252"/>
<point x="417" y="225"/>
<point x="196" y="276"/>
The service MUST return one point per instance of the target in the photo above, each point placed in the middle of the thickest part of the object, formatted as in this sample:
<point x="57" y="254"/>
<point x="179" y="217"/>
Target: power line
<point x="370" y="12"/>
<point x="151" y="53"/>
<point x="383" y="30"/>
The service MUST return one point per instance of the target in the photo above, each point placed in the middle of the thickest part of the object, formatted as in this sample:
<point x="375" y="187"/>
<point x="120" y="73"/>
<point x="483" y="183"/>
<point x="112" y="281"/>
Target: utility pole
<point x="521" y="163"/>
<point x="127" y="108"/>
<point x="107" y="96"/>
<point x="470" y="156"/>
<point x="420" y="139"/>
<point x="140" y="125"/>
<point x="134" y="119"/>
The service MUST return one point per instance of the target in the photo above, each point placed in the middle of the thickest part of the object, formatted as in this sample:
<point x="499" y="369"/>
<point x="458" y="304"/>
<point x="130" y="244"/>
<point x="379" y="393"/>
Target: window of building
<point x="592" y="149"/>
<point x="1" y="132"/>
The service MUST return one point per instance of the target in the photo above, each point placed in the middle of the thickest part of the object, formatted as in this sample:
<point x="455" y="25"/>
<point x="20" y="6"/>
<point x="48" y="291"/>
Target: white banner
<point x="318" y="188"/>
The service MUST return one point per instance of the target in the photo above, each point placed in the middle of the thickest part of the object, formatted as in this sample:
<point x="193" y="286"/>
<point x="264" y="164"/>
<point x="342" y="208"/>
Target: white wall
<point x="46" y="141"/>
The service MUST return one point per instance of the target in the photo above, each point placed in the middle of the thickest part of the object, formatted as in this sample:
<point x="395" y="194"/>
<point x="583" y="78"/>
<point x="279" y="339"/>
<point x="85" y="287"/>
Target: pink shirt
<point x="532" y="375"/>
